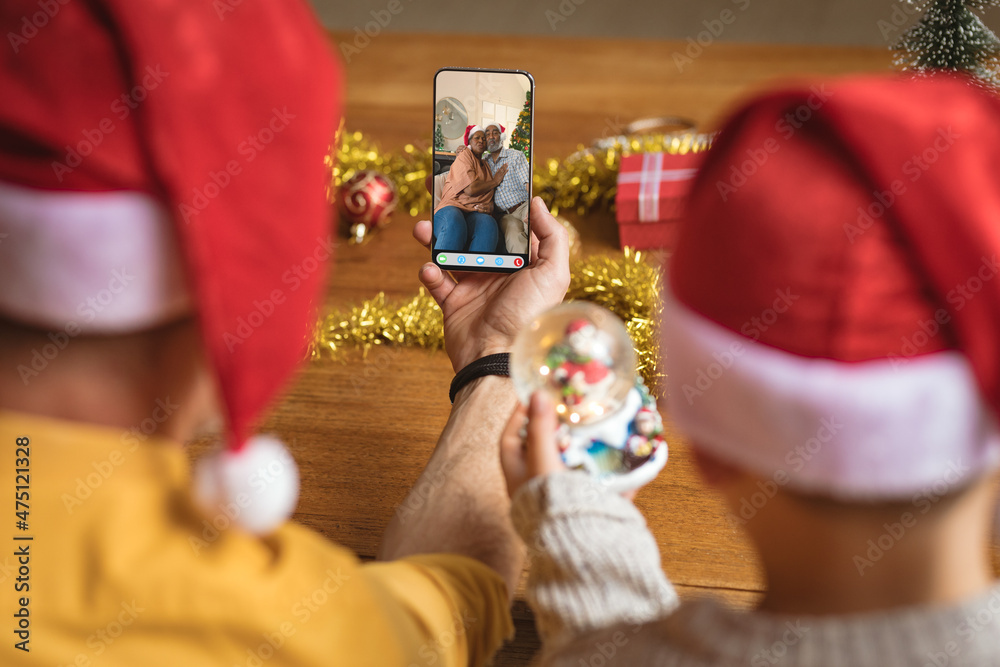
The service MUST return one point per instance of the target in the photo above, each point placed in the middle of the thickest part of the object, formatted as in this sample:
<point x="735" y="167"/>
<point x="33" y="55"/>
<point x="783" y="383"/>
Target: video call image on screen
<point x="482" y="169"/>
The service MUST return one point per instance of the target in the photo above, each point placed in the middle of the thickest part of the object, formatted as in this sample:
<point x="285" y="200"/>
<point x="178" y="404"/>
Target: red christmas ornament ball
<point x="367" y="199"/>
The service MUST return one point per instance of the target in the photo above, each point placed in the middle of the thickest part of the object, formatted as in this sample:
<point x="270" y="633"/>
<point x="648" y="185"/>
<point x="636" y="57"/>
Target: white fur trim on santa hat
<point x="471" y="131"/>
<point x="99" y="262"/>
<point x="256" y="488"/>
<point x="877" y="430"/>
<point x="496" y="124"/>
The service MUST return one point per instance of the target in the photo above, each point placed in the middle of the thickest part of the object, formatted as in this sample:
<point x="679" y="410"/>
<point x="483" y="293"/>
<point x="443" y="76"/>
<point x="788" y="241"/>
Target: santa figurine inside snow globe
<point x="582" y="355"/>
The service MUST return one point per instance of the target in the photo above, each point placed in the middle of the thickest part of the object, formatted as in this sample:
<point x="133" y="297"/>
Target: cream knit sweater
<point x="600" y="598"/>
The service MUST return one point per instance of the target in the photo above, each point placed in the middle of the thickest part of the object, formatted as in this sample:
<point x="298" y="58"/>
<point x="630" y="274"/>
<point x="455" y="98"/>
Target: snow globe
<point x="582" y="356"/>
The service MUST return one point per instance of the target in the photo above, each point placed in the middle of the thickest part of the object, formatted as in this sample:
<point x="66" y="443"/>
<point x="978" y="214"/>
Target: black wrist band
<point x="493" y="364"/>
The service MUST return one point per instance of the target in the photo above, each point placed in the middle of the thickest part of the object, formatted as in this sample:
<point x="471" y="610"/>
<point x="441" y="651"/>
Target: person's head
<point x="494" y="136"/>
<point x="156" y="382"/>
<point x="101" y="293"/>
<point x="475" y="139"/>
<point x="161" y="231"/>
<point x="477" y="143"/>
<point x="825" y="350"/>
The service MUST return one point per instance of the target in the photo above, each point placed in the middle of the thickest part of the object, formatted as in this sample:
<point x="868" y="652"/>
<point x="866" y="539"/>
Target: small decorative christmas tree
<point x="521" y="138"/>
<point x="438" y="138"/>
<point x="949" y="36"/>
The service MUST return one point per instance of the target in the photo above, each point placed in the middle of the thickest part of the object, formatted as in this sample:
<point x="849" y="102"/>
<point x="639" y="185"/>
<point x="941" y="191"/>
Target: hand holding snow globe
<point x="582" y="356"/>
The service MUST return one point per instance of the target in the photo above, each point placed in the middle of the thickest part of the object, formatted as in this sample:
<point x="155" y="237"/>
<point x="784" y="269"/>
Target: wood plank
<point x="363" y="428"/>
<point x="586" y="88"/>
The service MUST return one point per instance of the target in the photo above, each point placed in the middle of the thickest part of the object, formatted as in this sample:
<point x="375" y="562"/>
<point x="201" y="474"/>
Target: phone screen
<point x="482" y="169"/>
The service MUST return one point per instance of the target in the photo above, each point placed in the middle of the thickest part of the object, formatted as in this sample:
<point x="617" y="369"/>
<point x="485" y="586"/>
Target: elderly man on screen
<point x="511" y="196"/>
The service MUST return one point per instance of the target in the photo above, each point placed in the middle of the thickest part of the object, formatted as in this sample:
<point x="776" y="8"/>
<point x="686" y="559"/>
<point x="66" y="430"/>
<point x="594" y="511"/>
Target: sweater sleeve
<point x="593" y="560"/>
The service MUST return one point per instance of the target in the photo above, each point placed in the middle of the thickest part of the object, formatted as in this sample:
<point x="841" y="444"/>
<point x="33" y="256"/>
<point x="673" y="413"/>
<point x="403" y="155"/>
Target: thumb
<point x="542" y="456"/>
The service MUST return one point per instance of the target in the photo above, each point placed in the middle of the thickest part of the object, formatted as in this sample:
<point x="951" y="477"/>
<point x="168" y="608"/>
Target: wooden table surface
<point x="363" y="429"/>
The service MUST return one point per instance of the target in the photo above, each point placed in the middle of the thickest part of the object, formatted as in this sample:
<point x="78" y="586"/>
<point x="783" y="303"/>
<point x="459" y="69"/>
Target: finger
<point x="512" y="449"/>
<point x="437" y="282"/>
<point x="553" y="240"/>
<point x="511" y="441"/>
<point x="542" y="455"/>
<point x="422" y="232"/>
<point x="533" y="256"/>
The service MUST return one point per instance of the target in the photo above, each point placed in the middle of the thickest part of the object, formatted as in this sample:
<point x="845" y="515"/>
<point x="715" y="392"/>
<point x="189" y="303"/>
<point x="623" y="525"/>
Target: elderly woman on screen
<point x="462" y="220"/>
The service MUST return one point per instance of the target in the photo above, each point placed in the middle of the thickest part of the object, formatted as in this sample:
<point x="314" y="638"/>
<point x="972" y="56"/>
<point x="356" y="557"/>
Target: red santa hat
<point x="471" y="130"/>
<point x="497" y="125"/>
<point x="835" y="303"/>
<point x="174" y="160"/>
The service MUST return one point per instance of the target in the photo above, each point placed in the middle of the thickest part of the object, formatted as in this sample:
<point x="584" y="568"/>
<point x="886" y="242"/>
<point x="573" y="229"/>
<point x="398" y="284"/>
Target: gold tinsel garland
<point x="627" y="284"/>
<point x="583" y="182"/>
<point x="407" y="172"/>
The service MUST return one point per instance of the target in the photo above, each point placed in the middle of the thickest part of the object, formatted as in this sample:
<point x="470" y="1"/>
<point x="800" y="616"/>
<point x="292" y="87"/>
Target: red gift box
<point x="651" y="192"/>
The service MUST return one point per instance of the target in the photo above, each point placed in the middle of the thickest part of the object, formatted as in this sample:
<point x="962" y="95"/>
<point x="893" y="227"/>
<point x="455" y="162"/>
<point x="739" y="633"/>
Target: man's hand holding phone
<point x="484" y="311"/>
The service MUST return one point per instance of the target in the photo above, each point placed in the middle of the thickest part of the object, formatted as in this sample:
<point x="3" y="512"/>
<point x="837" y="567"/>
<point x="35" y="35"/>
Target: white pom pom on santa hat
<point x="125" y="207"/>
<point x="255" y="487"/>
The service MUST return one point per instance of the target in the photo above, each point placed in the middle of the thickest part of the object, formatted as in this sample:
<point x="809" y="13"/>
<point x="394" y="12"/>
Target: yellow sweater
<point x="117" y="567"/>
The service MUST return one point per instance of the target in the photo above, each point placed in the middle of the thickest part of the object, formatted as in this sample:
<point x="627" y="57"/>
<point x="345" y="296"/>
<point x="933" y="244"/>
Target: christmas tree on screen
<point x="438" y="138"/>
<point x="950" y="36"/>
<point x="520" y="140"/>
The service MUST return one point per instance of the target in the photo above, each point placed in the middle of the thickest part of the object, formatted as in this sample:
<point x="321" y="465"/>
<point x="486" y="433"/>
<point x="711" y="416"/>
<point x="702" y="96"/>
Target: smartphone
<point x="481" y="183"/>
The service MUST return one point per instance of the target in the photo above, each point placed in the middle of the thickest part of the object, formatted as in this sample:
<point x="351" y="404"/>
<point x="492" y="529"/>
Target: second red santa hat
<point x="835" y="304"/>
